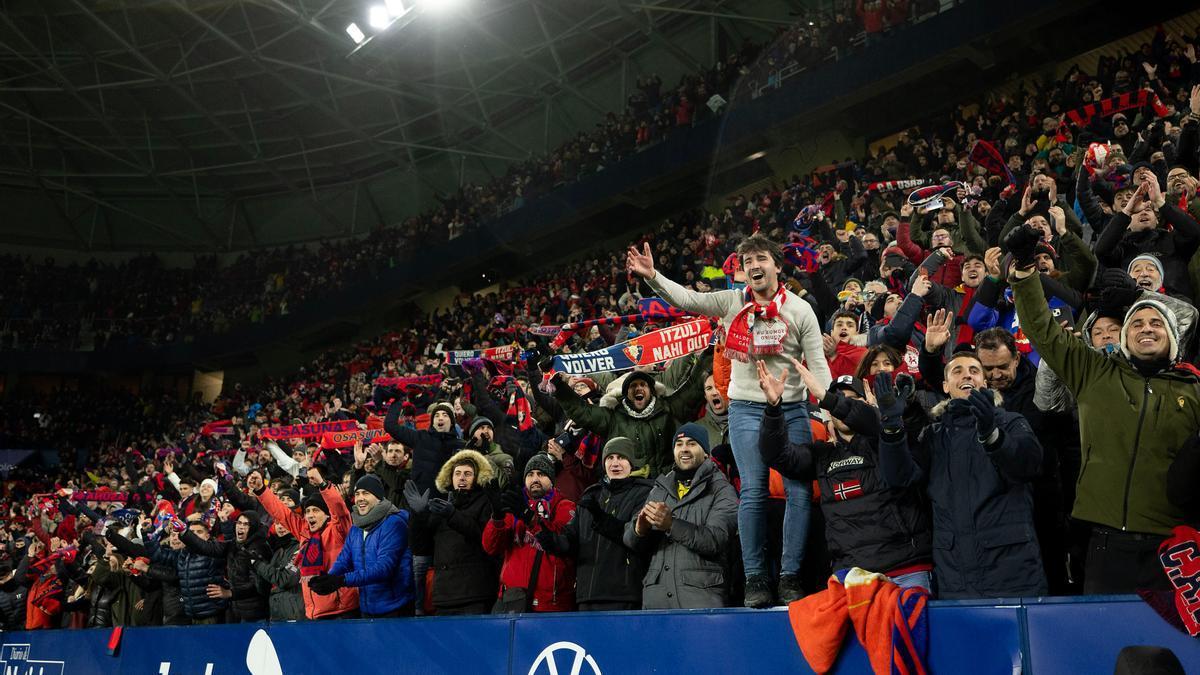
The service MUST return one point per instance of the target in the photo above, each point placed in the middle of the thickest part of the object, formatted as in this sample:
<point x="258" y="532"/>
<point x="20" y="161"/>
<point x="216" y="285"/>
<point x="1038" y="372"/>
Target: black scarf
<point x="1150" y="367"/>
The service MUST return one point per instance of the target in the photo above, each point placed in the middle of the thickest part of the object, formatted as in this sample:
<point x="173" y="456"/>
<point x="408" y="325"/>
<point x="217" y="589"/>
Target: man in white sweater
<point x="765" y="322"/>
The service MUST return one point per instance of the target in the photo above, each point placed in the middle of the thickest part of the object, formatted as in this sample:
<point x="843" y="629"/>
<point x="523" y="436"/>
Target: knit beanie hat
<point x="291" y="494"/>
<point x="541" y="462"/>
<point x="211" y="483"/>
<point x="372" y="484"/>
<point x="1167" y="315"/>
<point x="441" y="405"/>
<point x="480" y="422"/>
<point x="315" y="499"/>
<point x="1162" y="275"/>
<point x="625" y="447"/>
<point x="634" y="377"/>
<point x="695" y="432"/>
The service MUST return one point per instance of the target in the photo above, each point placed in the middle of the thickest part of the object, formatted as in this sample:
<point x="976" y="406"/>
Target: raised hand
<point x="1135" y="202"/>
<point x="937" y="330"/>
<point x="772" y="387"/>
<point x="991" y="260"/>
<point x="1060" y="219"/>
<point x="810" y="381"/>
<point x="641" y="262"/>
<point x="921" y="285"/>
<point x="829" y="345"/>
<point x="983" y="407"/>
<point x="1027" y="200"/>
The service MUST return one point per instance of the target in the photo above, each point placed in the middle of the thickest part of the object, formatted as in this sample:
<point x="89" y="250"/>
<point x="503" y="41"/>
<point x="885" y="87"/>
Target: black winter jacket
<point x="867" y="523"/>
<point x="606" y="570"/>
<point x="463" y="572"/>
<point x="430" y="449"/>
<point x="195" y="572"/>
<point x="250" y="594"/>
<point x="983" y="536"/>
<point x="1117" y="246"/>
<point x="283" y="576"/>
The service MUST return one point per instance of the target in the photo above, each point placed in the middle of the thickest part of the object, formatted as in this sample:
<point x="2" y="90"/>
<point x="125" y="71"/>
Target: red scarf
<point x="757" y="330"/>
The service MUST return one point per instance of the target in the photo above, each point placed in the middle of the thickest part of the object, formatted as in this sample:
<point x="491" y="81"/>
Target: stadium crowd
<point x="969" y="371"/>
<point x="143" y="302"/>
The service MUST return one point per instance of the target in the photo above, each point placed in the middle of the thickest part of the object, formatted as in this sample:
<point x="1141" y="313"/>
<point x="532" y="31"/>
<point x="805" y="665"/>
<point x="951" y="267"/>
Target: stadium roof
<point x="211" y="125"/>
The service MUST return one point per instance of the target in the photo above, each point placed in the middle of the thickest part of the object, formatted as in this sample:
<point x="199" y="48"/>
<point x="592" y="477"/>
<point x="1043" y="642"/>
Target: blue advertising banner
<point x="1031" y="636"/>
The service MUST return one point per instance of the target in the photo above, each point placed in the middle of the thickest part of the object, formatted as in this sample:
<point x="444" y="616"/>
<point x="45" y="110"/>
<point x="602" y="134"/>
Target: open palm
<point x="641" y="262"/>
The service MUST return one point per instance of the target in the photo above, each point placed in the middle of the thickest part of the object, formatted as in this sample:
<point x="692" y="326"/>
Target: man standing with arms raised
<point x="768" y="323"/>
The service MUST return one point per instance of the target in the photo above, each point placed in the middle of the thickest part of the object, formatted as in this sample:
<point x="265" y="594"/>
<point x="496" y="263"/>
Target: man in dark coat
<point x="196" y="574"/>
<point x="976" y="461"/>
<point x="248" y="592"/>
<point x="867" y="523"/>
<point x="465" y="577"/>
<point x="608" y="573"/>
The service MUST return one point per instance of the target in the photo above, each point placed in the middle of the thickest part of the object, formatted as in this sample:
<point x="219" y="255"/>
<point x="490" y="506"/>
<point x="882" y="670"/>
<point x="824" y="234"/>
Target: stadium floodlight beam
<point x="378" y="18"/>
<point x="394" y="7"/>
<point x="356" y="33"/>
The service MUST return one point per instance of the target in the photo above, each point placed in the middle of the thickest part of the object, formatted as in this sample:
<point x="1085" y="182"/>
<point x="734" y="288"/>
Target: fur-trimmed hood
<point x="938" y="410"/>
<point x="612" y="393"/>
<point x="483" y="469"/>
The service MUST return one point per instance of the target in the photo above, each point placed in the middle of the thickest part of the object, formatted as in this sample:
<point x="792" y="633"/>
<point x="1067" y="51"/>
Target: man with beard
<point x="376" y="558"/>
<point x="430" y="450"/>
<point x="716" y="414"/>
<point x="249" y="597"/>
<point x="482" y="437"/>
<point x="531" y="579"/>
<point x="686" y="524"/>
<point x="956" y="301"/>
<point x="608" y="573"/>
<point x="641" y="414"/>
<point x="321" y="526"/>
<point x="763" y="322"/>
<point x="465" y="576"/>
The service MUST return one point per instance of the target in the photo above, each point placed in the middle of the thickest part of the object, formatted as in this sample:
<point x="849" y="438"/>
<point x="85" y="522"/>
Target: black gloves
<point x="517" y="505"/>
<point x="1118" y="290"/>
<point x="418" y="502"/>
<point x="326" y="584"/>
<point x="441" y="507"/>
<point x="1022" y="243"/>
<point x="546" y="540"/>
<point x="891" y="402"/>
<point x="493" y="497"/>
<point x="983" y="407"/>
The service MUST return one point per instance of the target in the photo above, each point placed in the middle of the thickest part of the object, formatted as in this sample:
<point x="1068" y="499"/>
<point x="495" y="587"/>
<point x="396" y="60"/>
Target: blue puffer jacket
<point x="379" y="563"/>
<point x="195" y="573"/>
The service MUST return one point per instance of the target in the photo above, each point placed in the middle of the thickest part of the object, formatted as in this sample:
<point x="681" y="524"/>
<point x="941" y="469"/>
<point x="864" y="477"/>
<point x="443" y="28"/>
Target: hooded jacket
<point x="430" y="449"/>
<point x="554" y="588"/>
<point x="464" y="573"/>
<point x="1131" y="425"/>
<point x="377" y="560"/>
<point x="867" y="523"/>
<point x="651" y="432"/>
<point x="688" y="568"/>
<point x="984" y="543"/>
<point x="318" y="551"/>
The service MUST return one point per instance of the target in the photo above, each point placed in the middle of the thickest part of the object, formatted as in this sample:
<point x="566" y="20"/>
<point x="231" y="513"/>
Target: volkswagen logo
<point x="577" y="655"/>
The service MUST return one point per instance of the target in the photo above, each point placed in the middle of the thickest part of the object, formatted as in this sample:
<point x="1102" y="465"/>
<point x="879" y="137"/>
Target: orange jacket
<point x="328" y="542"/>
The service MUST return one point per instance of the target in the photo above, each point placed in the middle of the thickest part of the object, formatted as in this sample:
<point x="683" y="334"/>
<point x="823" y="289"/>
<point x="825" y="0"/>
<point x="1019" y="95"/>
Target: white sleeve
<point x="283" y="460"/>
<point x="716" y="303"/>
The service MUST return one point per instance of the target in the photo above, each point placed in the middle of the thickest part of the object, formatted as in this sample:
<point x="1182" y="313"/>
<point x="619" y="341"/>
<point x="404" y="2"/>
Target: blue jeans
<point x="915" y="580"/>
<point x="745" y="420"/>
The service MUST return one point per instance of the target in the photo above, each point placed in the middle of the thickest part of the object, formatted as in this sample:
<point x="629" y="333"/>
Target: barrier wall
<point x="1031" y="636"/>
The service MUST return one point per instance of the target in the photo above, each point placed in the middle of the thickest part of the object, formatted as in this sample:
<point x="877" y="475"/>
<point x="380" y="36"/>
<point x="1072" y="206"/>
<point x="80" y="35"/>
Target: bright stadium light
<point x="356" y="33"/>
<point x="378" y="17"/>
<point x="394" y="7"/>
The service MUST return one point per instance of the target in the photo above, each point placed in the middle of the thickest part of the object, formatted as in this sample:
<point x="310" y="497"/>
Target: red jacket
<point x="948" y="275"/>
<point x="846" y="360"/>
<point x="317" y="551"/>
<point x="555" y="587"/>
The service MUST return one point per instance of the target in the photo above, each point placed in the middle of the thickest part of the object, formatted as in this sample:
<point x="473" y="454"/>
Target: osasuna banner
<point x="502" y="353"/>
<point x="407" y="383"/>
<point x="313" y="430"/>
<point x="345" y="439"/>
<point x="654" y="347"/>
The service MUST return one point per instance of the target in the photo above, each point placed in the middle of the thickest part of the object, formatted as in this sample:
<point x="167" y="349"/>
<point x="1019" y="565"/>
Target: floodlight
<point x="378" y="17"/>
<point x="356" y="33"/>
<point x="394" y="7"/>
<point x="442" y="6"/>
